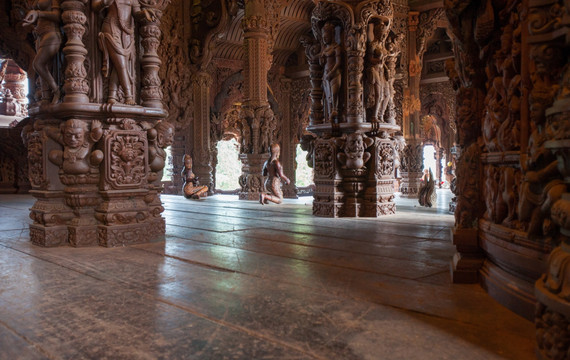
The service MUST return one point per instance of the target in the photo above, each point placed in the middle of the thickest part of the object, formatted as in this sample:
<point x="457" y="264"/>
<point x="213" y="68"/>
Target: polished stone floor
<point x="238" y="280"/>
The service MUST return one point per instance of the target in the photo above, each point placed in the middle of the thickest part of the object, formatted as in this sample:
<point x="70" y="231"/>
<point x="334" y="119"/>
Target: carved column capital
<point x="201" y="79"/>
<point x="413" y="20"/>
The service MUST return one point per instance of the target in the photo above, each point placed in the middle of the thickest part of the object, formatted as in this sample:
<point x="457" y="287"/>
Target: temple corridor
<point x="237" y="280"/>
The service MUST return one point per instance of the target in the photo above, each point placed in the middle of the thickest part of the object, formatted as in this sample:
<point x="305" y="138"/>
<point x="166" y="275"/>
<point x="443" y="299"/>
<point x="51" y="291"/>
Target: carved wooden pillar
<point x="96" y="166"/>
<point x="151" y="94"/>
<point x="14" y="80"/>
<point x="552" y="316"/>
<point x="258" y="119"/>
<point x="288" y="149"/>
<point x="201" y="83"/>
<point x="353" y="155"/>
<point x="76" y="84"/>
<point x="412" y="157"/>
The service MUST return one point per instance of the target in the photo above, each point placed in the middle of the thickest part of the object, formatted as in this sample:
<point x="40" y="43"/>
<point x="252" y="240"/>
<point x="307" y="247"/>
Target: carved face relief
<point x="74" y="137"/>
<point x="354" y="146"/>
<point x="166" y="138"/>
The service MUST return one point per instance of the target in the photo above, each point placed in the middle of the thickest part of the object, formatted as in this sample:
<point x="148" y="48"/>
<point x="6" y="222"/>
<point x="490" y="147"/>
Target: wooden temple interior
<point x="118" y="241"/>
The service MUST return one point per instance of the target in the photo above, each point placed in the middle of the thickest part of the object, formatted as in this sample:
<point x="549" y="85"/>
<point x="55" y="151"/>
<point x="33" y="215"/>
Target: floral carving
<point x="324" y="166"/>
<point x="127" y="165"/>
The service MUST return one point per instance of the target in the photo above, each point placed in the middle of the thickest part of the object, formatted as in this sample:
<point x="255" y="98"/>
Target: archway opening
<point x="228" y="169"/>
<point x="429" y="158"/>
<point x="303" y="173"/>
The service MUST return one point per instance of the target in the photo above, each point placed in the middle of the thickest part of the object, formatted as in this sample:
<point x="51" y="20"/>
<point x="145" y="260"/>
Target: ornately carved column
<point x="258" y="120"/>
<point x="14" y="79"/>
<point x="288" y="149"/>
<point x="151" y="94"/>
<point x="201" y="82"/>
<point x="552" y="316"/>
<point x="96" y="164"/>
<point x="76" y="85"/>
<point x="412" y="157"/>
<point x="354" y="155"/>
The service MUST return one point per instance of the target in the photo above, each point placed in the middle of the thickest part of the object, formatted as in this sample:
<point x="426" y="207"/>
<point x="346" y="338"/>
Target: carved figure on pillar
<point x="191" y="187"/>
<point x="354" y="154"/>
<point x="377" y="82"/>
<point x="117" y="42"/>
<point x="77" y="157"/>
<point x="159" y="138"/>
<point x="273" y="169"/>
<point x="46" y="16"/>
<point x="393" y="50"/>
<point x="331" y="60"/>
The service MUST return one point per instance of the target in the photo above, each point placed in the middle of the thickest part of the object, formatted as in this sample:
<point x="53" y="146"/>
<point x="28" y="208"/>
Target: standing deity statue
<point x="331" y="59"/>
<point x="378" y="86"/>
<point x="117" y="42"/>
<point x="46" y="16"/>
<point x="274" y="172"/>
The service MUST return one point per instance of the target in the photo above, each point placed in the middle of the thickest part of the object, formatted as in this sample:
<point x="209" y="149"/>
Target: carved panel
<point x="127" y="164"/>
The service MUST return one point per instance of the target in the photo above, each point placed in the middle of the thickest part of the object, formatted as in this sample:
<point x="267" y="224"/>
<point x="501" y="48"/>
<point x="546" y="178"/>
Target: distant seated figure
<point x="274" y="172"/>
<point x="191" y="188"/>
<point x="427" y="194"/>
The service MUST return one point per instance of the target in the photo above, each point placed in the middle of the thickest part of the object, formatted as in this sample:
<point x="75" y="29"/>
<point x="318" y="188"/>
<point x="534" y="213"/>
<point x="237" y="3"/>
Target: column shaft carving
<point x="258" y="122"/>
<point x="151" y="93"/>
<point x="76" y="85"/>
<point x="201" y="84"/>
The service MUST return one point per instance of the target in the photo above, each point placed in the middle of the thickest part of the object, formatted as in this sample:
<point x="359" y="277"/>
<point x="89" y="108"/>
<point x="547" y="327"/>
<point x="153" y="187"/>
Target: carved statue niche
<point x="46" y="16"/>
<point x="117" y="42"/>
<point x="77" y="157"/>
<point x="159" y="138"/>
<point x="192" y="190"/>
<point x="331" y="60"/>
<point x="377" y="84"/>
<point x="354" y="146"/>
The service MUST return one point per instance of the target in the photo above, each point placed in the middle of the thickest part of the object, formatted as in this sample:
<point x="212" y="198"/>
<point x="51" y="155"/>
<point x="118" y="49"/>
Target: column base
<point x="121" y="235"/>
<point x="81" y="236"/>
<point x="468" y="259"/>
<point x="49" y="236"/>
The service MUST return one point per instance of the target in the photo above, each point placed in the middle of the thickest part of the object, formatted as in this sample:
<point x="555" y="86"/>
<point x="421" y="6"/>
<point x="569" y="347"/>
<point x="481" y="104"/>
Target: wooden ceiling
<point x="294" y="21"/>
